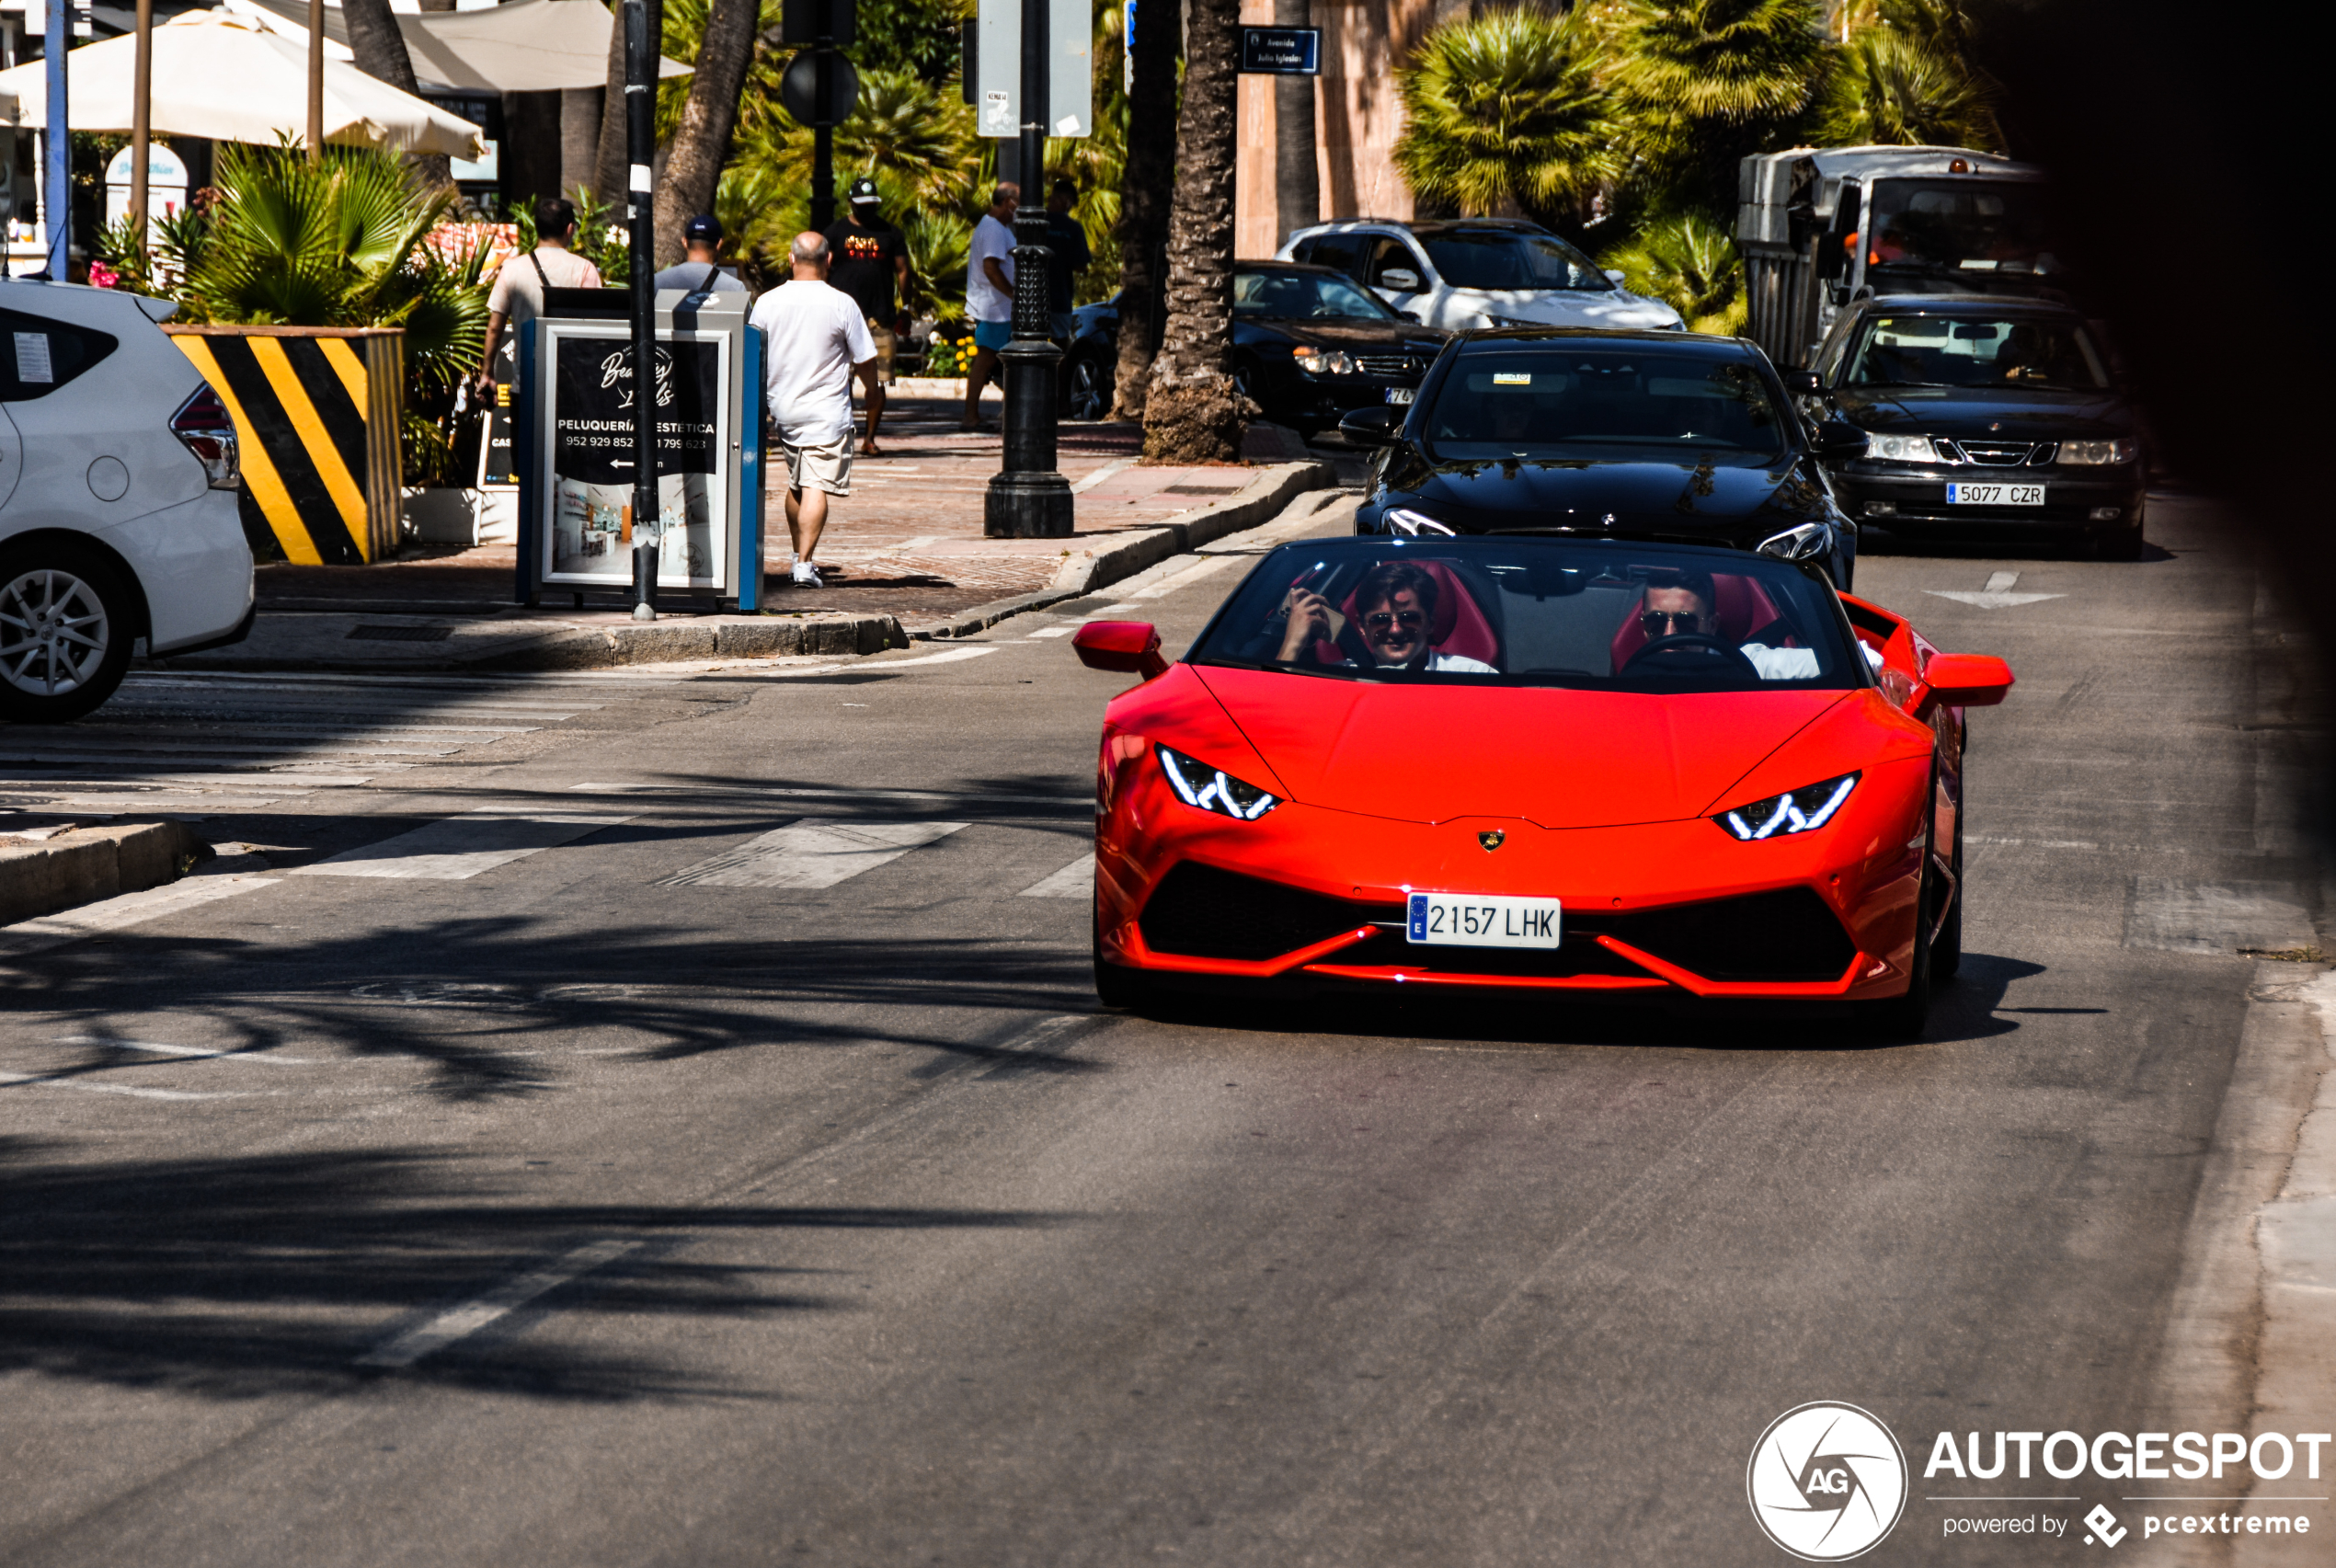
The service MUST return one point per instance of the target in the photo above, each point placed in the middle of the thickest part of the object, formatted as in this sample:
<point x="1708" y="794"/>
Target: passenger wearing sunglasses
<point x="1395" y="607"/>
<point x="1684" y="609"/>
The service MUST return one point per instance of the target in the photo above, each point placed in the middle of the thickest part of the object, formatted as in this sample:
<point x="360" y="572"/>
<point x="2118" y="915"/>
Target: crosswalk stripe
<point x="1076" y="880"/>
<point x="813" y="854"/>
<point x="461" y="847"/>
<point x="27" y="937"/>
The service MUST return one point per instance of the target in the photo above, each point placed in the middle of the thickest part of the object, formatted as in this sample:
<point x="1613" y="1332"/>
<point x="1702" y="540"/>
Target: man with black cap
<point x="702" y="272"/>
<point x="871" y="262"/>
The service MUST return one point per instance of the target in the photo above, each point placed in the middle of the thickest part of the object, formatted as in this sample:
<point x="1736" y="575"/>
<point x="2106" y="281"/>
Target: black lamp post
<point x="640" y="66"/>
<point x="1029" y="499"/>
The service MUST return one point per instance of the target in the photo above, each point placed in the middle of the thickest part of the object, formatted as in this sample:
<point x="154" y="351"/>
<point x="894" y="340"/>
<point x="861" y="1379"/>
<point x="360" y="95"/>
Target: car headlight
<point x="1323" y="361"/>
<point x="2093" y="453"/>
<point x="1797" y="544"/>
<point x="1403" y="520"/>
<point x="1212" y="789"/>
<point x="1802" y="810"/>
<point x="1902" y="448"/>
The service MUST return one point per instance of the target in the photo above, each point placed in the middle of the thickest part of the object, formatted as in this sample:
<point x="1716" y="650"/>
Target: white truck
<point x="1819" y="227"/>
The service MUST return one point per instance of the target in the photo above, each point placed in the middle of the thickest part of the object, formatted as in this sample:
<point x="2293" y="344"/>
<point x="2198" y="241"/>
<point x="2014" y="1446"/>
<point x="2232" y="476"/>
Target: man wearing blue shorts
<point x="990" y="295"/>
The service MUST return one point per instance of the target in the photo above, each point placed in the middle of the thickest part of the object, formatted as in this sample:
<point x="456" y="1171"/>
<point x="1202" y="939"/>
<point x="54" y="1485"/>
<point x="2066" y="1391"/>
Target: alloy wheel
<point x="55" y="632"/>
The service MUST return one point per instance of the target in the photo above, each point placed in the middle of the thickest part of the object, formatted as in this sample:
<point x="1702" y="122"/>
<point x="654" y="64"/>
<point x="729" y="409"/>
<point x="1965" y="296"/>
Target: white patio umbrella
<point x="222" y="77"/>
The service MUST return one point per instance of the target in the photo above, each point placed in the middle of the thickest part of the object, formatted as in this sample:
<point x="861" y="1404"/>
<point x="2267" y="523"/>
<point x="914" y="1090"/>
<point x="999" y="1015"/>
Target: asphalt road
<point x="595" y="1208"/>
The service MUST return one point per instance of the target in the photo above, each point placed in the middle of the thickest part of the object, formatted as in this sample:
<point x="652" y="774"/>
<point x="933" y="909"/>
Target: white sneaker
<point x="806" y="575"/>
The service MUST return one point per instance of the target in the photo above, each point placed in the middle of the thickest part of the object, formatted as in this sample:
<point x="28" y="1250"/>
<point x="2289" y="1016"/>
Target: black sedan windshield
<point x="1502" y="259"/>
<point x="1606" y="403"/>
<point x="1600" y="615"/>
<point x="1974" y="350"/>
<point x="1305" y="296"/>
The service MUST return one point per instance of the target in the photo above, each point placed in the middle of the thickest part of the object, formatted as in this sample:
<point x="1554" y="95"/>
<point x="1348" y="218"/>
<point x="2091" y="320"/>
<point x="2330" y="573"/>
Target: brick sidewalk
<point x="907" y="543"/>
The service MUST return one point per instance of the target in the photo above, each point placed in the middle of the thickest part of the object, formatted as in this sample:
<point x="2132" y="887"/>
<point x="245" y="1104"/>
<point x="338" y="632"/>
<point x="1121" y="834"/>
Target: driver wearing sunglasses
<point x="1394" y="608"/>
<point x="1683" y="610"/>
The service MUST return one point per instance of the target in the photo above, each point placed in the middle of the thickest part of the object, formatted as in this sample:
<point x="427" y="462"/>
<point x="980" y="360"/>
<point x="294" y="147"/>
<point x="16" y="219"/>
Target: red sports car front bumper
<point x="1311" y="893"/>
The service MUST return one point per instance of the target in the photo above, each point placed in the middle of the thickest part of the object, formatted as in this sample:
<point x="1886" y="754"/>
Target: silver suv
<point x="1466" y="273"/>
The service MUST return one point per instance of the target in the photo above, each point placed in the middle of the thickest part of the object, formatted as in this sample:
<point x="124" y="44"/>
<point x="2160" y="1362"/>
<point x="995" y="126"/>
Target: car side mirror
<point x="1127" y="647"/>
<point x="1837" y="440"/>
<point x="1965" y="680"/>
<point x="1402" y="280"/>
<point x="1372" y="425"/>
<point x="1802" y="384"/>
<point x="1614" y="276"/>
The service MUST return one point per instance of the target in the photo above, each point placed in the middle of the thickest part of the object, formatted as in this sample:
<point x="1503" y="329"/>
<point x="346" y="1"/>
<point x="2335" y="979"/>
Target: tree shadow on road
<point x="239" y="1277"/>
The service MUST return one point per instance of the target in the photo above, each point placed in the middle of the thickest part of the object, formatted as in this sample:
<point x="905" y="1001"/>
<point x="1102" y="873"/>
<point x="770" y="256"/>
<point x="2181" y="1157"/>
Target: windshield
<point x="1598" y="614"/>
<point x="1938" y="350"/>
<point x="1959" y="226"/>
<point x="1604" y="403"/>
<point x="1304" y="296"/>
<point x="1496" y="259"/>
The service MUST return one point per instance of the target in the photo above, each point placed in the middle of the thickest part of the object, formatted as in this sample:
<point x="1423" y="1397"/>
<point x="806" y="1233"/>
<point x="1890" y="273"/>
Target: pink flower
<point x="102" y="276"/>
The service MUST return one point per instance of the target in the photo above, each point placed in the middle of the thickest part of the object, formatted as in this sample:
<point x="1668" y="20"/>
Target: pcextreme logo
<point x="1827" y="1481"/>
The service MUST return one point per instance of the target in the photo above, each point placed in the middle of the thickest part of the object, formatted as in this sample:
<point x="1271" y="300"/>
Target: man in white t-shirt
<point x="990" y="294"/>
<point x="814" y="342"/>
<point x="517" y="294"/>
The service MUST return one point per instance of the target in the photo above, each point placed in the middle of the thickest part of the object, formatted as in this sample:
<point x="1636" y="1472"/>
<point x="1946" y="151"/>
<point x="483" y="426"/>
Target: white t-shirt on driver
<point x="812" y="336"/>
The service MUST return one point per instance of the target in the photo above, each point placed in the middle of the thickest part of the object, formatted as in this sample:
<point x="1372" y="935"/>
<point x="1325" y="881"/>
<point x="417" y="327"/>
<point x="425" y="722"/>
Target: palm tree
<point x="1507" y="108"/>
<point x="1705" y="82"/>
<point x="380" y="50"/>
<point x="1142" y="232"/>
<point x="1892" y="89"/>
<point x="1691" y="264"/>
<point x="694" y="168"/>
<point x="1192" y="413"/>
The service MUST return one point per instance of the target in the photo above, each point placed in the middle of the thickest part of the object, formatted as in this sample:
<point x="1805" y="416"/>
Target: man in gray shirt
<point x="702" y="272"/>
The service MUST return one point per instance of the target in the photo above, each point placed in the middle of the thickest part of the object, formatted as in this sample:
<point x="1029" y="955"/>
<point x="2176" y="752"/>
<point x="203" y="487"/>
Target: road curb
<point x="1089" y="571"/>
<point x="1274" y="489"/>
<point x="562" y="646"/>
<point x="84" y="865"/>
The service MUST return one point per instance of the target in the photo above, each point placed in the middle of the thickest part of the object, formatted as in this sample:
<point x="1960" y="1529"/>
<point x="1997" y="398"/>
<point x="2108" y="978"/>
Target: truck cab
<point x="1821" y="227"/>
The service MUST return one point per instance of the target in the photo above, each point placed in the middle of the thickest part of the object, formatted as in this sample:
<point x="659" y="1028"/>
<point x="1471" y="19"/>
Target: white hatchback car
<point x="1467" y="273"/>
<point x="118" y="500"/>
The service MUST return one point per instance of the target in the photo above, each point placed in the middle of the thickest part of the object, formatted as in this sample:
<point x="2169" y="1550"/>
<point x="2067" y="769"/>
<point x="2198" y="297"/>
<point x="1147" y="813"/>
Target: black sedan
<point x="1989" y="419"/>
<point x="1569" y="430"/>
<point x="1309" y="344"/>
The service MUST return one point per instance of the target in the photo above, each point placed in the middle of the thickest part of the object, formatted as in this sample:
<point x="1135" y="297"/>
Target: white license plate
<point x="1399" y="393"/>
<point x="1995" y="495"/>
<point x="1478" y="919"/>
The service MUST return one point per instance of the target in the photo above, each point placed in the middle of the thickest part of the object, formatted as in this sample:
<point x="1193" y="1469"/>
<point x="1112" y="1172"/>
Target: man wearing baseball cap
<point x="871" y="263"/>
<point x="702" y="272"/>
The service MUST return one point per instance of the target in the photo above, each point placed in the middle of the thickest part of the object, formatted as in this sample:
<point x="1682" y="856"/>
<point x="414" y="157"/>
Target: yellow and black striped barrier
<point x="318" y="410"/>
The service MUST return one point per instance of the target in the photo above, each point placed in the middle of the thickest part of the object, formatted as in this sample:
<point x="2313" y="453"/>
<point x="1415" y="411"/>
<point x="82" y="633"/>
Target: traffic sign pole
<point x="1028" y="498"/>
<point x="640" y="64"/>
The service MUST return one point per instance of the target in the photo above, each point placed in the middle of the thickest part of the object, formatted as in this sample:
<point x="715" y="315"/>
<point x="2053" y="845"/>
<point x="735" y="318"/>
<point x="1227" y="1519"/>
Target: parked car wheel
<point x="66" y="624"/>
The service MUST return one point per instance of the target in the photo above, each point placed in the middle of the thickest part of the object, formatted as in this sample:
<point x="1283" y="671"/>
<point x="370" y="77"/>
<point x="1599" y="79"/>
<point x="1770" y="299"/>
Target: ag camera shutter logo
<point x="1827" y="1481"/>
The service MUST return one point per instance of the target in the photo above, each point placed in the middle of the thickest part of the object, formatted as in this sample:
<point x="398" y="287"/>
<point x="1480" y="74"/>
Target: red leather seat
<point x="1744" y="608"/>
<point x="1460" y="625"/>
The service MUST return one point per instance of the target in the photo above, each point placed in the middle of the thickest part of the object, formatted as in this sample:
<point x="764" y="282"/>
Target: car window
<point x="1498" y="258"/>
<point x="1606" y="404"/>
<point x="1837" y="343"/>
<point x="1959" y="226"/>
<point x="1975" y="351"/>
<point x="1593" y="613"/>
<point x="1304" y="296"/>
<point x="1343" y="252"/>
<point x="37" y="355"/>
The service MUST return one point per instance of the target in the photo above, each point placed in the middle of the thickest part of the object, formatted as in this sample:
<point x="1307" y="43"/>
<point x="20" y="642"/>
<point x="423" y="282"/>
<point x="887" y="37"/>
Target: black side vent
<point x="1202" y="912"/>
<point x="1788" y="935"/>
